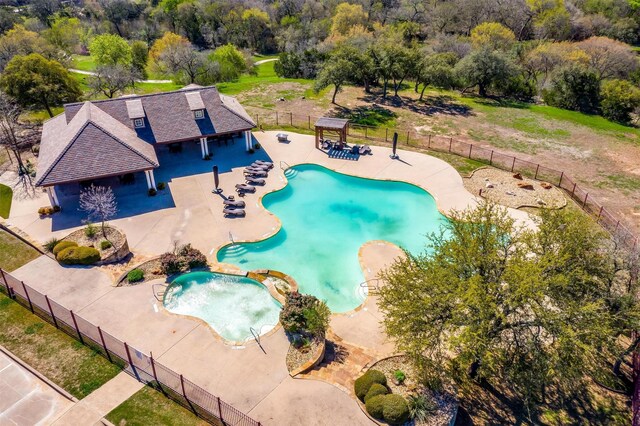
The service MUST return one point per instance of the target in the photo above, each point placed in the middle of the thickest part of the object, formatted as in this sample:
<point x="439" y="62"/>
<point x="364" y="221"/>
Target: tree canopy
<point x="490" y="301"/>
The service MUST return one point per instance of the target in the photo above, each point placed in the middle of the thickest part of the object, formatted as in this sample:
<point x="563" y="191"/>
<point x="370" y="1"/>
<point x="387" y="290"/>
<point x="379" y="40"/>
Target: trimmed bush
<point x="105" y="245"/>
<point x="375" y="406"/>
<point x="90" y="231"/>
<point x="135" y="275"/>
<point x="63" y="245"/>
<point x="78" y="256"/>
<point x="377" y="376"/>
<point x="50" y="244"/>
<point x="395" y="409"/>
<point x="375" y="390"/>
<point x="47" y="211"/>
<point x="364" y="382"/>
<point x="152" y="192"/>
<point x="161" y="186"/>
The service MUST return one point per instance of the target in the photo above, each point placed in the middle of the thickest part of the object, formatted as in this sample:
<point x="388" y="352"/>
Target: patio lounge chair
<point x="234" y="212"/>
<point x="256" y="181"/>
<point x="255" y="173"/>
<point x="355" y="149"/>
<point x="258" y="167"/>
<point x="254" y="170"/>
<point x="242" y="187"/>
<point x="365" y="149"/>
<point x="264" y="163"/>
<point x="234" y="203"/>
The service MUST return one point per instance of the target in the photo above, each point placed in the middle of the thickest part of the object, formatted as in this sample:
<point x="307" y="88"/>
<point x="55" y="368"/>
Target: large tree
<point x="36" y="81"/>
<point x="9" y="114"/>
<point x="609" y="58"/>
<point x="532" y="308"/>
<point x="111" y="79"/>
<point x="485" y="68"/>
<point x="338" y="70"/>
<point x="110" y="50"/>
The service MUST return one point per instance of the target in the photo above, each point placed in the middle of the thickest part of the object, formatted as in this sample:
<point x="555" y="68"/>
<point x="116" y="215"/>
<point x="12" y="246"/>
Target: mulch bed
<point x="503" y="188"/>
<point x="151" y="269"/>
<point x="446" y="402"/>
<point x="297" y="357"/>
<point x="115" y="237"/>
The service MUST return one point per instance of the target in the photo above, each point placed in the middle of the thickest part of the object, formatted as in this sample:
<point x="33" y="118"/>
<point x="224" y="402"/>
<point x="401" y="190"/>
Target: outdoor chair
<point x="365" y="149"/>
<point x="234" y="212"/>
<point x="242" y="187"/>
<point x="256" y="173"/>
<point x="255" y="181"/>
<point x="268" y="164"/>
<point x="234" y="203"/>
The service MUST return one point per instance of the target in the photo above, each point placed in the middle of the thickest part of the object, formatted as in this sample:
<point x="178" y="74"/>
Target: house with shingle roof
<point x="116" y="137"/>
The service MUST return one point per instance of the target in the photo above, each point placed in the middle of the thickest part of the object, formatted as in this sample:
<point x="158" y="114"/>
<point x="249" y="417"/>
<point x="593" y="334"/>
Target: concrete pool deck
<point x="187" y="212"/>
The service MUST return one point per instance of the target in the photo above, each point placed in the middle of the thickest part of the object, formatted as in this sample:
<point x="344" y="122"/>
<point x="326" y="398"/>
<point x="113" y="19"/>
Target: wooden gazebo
<point x="337" y="126"/>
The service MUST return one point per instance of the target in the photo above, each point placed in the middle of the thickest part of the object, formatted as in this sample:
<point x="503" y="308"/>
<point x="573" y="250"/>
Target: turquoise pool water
<point x="230" y="304"/>
<point x="326" y="217"/>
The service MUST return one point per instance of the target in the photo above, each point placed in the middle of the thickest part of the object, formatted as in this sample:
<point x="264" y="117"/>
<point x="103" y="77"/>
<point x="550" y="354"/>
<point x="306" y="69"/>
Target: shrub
<point x="105" y="245"/>
<point x="292" y="316"/>
<point x="152" y="192"/>
<point x="317" y="318"/>
<point x="375" y="406"/>
<point x="619" y="99"/>
<point x="363" y="383"/>
<point x="251" y="151"/>
<point x="161" y="186"/>
<point x="395" y="409"/>
<point x="47" y="211"/>
<point x="90" y="231"/>
<point x="63" y="245"/>
<point x="574" y="87"/>
<point x="135" y="275"/>
<point x="375" y="390"/>
<point x="78" y="256"/>
<point x="192" y="257"/>
<point x="400" y="376"/>
<point x="50" y="244"/>
<point x="421" y="407"/>
<point x="170" y="264"/>
<point x="257" y="146"/>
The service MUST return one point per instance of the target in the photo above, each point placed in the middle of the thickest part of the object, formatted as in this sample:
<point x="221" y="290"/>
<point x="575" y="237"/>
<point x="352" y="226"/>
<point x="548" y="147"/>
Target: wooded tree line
<point x="572" y="54"/>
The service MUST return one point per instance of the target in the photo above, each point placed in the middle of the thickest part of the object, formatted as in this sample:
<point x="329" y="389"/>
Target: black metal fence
<point x="140" y="365"/>
<point x="603" y="216"/>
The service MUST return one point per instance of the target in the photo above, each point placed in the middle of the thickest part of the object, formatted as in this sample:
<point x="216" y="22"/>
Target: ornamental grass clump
<point x="305" y="314"/>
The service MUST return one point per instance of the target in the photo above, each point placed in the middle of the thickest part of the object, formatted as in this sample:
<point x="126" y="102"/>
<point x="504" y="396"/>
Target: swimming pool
<point x="230" y="304"/>
<point x="326" y="217"/>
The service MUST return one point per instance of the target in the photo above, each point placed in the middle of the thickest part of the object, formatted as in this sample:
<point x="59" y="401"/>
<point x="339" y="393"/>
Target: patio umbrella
<point x="395" y="144"/>
<point x="216" y="179"/>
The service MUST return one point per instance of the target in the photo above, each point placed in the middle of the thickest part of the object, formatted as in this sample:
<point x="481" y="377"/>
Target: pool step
<point x="236" y="250"/>
<point x="290" y="173"/>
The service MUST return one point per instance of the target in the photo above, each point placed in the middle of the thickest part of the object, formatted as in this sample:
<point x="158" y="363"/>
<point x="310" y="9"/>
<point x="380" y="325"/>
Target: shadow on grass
<point x="430" y="105"/>
<point x="365" y="115"/>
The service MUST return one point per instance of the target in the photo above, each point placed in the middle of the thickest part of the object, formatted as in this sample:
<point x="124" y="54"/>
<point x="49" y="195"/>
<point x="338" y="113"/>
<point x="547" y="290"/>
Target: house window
<point x="138" y="123"/>
<point x="199" y="113"/>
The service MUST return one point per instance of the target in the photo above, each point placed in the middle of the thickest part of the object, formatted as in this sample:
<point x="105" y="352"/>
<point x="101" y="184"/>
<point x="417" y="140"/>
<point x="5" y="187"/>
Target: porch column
<point x="203" y="142"/>
<point x="151" y="182"/>
<point x="247" y="140"/>
<point x="202" y="148"/>
<point x="53" y="198"/>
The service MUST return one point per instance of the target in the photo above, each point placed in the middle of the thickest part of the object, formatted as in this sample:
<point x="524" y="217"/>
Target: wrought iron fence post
<point x="26" y="293"/>
<point x="600" y="213"/>
<point x="561" y="176"/>
<point x="104" y="345"/>
<point x="75" y="323"/>
<point x="513" y="165"/>
<point x="584" y="204"/>
<point x="6" y="284"/>
<point x="491" y="158"/>
<point x="55" y="322"/>
<point x="184" y="393"/>
<point x="291" y="119"/>
<point x="220" y="409"/>
<point x="573" y="191"/>
<point x="386" y="134"/>
<point x="537" y="168"/>
<point x="133" y="367"/>
<point x="450" y="143"/>
<point x="155" y="374"/>
<point x="277" y="122"/>
<point x="470" y="148"/>
<point x="365" y="132"/>
<point x="429" y="141"/>
<point x="309" y="121"/>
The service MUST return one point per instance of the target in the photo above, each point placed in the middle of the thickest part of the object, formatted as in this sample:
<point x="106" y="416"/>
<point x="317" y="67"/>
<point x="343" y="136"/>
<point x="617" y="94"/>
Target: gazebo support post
<point x="204" y="147"/>
<point x="247" y="140"/>
<point x="151" y="181"/>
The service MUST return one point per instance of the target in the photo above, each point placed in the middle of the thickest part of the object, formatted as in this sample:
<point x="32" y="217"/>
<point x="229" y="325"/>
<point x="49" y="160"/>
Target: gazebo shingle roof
<point x="91" y="145"/>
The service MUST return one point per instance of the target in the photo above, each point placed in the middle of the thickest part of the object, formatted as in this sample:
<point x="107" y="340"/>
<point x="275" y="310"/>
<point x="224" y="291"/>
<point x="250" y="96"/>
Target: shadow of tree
<point x="430" y="105"/>
<point x="335" y="352"/>
<point x="366" y="115"/>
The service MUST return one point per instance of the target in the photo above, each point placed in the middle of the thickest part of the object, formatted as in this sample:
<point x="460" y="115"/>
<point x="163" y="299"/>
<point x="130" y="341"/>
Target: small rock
<point x="489" y="185"/>
<point x="546" y="185"/>
<point x="510" y="193"/>
<point x="517" y="176"/>
<point x="541" y="202"/>
<point x="524" y="185"/>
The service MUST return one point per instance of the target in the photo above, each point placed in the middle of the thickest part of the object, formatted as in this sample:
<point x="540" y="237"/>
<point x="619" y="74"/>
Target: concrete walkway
<point x="25" y="399"/>
<point x="91" y="409"/>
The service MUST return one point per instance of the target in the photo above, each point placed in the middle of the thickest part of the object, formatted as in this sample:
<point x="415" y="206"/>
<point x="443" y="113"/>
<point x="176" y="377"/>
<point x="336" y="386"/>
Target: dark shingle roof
<point x="91" y="145"/>
<point x="168" y="116"/>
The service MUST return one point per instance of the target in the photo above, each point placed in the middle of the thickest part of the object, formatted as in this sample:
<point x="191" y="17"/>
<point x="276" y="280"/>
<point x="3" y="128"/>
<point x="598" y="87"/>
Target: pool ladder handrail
<point x="286" y="164"/>
<point x="233" y="243"/>
<point x="159" y="295"/>
<point x="255" y="333"/>
<point x="371" y="287"/>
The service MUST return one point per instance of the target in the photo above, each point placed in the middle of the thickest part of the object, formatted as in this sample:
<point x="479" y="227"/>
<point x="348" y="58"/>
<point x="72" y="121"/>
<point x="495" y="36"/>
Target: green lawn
<point x="83" y="62"/>
<point x="6" y="194"/>
<point x="150" y="407"/>
<point x="14" y="253"/>
<point x="264" y="75"/>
